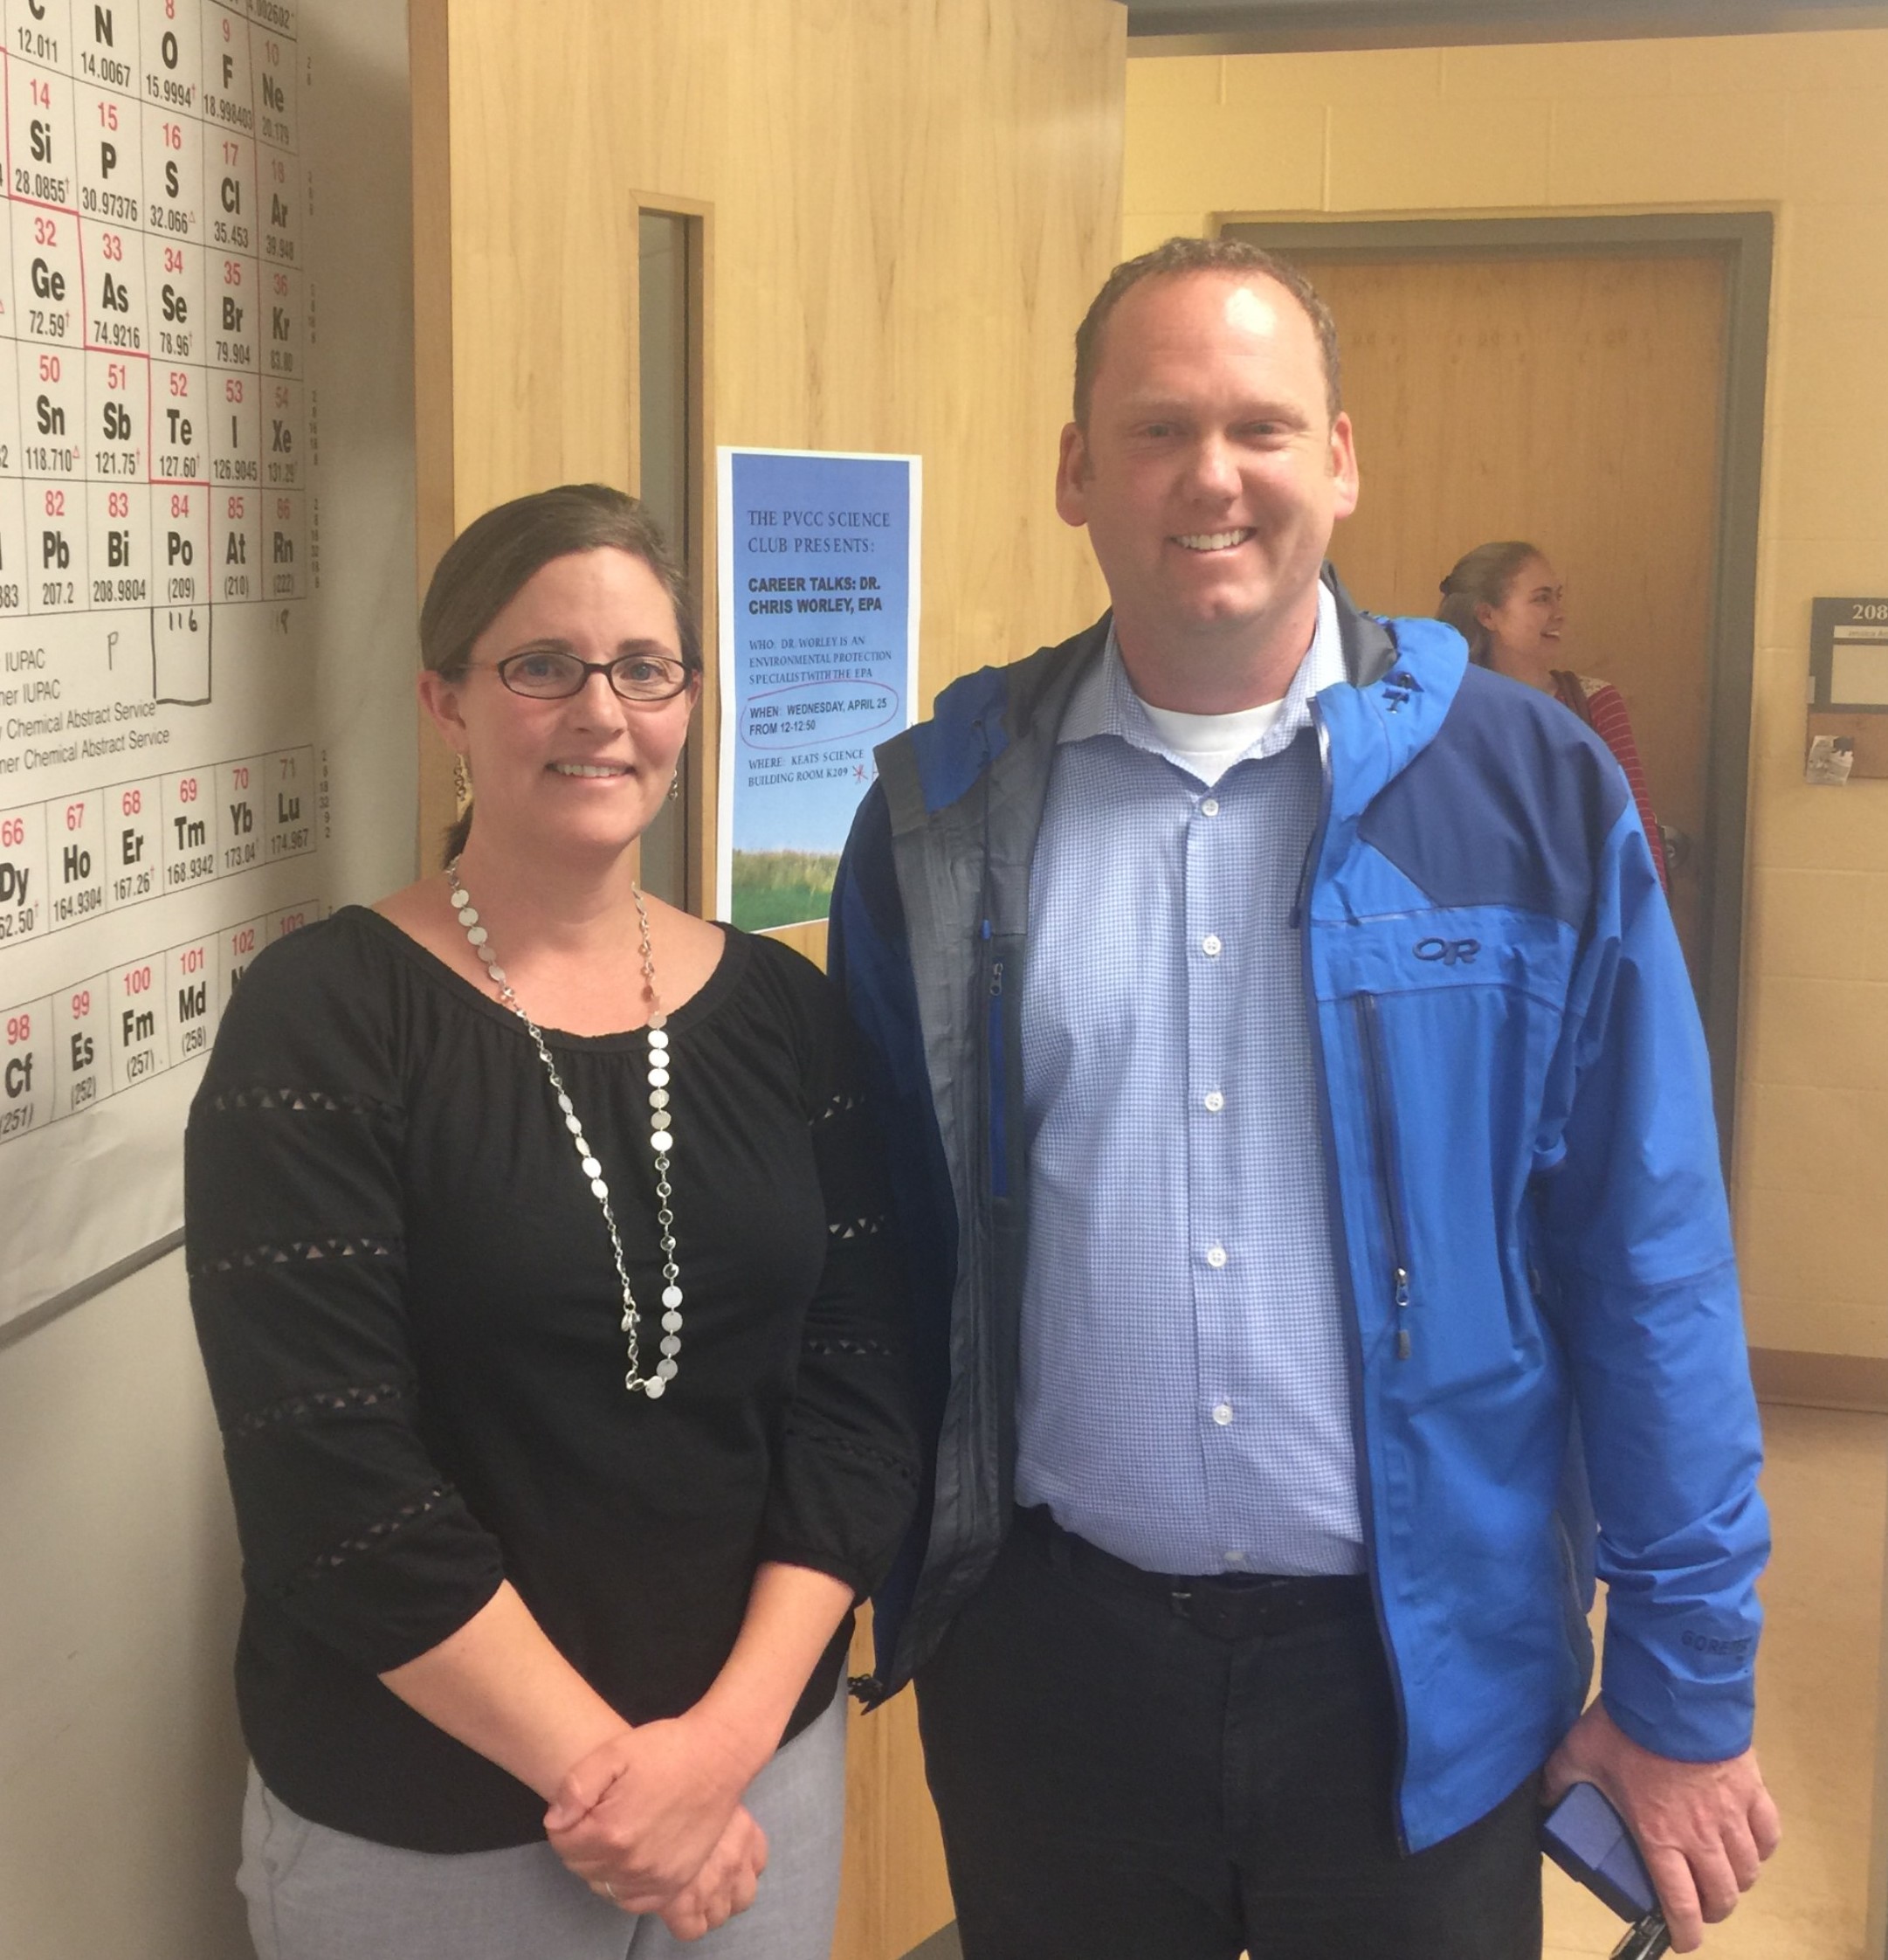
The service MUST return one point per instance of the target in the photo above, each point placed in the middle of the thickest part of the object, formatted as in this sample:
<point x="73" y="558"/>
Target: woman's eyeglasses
<point x="550" y="676"/>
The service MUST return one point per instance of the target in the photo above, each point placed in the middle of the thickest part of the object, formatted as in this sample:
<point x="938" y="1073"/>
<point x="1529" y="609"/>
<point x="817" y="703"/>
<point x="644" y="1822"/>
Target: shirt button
<point x="1236" y="1558"/>
<point x="1209" y="807"/>
<point x="1215" y="1255"/>
<point x="1210" y="946"/>
<point x="1215" y="1100"/>
<point x="1222" y="1414"/>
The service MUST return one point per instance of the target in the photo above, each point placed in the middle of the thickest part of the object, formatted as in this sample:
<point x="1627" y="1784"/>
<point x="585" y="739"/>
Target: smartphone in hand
<point x="1587" y="1838"/>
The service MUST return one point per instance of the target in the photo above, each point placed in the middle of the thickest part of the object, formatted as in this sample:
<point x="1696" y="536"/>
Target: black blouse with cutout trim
<point x="404" y="1294"/>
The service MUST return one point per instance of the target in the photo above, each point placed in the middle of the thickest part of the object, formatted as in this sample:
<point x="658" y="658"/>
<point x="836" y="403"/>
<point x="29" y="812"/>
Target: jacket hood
<point x="1380" y="726"/>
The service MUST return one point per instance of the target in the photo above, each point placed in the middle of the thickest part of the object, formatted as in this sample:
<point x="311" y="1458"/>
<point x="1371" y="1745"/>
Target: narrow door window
<point x="669" y="391"/>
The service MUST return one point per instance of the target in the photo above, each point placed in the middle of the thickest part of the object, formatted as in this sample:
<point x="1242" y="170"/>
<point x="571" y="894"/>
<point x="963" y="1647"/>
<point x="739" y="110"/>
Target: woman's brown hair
<point x="1482" y="577"/>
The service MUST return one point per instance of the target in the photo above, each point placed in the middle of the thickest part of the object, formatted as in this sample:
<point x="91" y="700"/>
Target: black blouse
<point x="403" y="1291"/>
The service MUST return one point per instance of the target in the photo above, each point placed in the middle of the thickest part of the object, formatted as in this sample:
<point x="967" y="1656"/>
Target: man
<point x="1307" y="1171"/>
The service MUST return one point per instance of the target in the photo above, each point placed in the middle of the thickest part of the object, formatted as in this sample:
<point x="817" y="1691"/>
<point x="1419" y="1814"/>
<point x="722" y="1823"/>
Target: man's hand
<point x="1703" y="1828"/>
<point x="645" y="1811"/>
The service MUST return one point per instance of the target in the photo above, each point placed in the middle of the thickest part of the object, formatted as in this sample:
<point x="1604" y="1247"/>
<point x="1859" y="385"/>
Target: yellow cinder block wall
<point x="1794" y="123"/>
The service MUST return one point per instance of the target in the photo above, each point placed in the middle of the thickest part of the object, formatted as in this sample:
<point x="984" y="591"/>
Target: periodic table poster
<point x="160" y="800"/>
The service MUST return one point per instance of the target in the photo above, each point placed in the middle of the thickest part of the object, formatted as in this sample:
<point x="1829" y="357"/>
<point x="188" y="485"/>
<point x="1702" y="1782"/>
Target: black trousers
<point x="1121" y="1778"/>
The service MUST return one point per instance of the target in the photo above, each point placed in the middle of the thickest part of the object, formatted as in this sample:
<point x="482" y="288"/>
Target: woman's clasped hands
<point x="652" y="1819"/>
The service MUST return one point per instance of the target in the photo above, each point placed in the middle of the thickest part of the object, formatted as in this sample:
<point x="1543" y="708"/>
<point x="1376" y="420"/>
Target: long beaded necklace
<point x="661" y="1141"/>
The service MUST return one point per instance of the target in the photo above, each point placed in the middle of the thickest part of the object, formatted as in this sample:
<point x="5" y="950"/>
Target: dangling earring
<point x="461" y="779"/>
<point x="675" y="787"/>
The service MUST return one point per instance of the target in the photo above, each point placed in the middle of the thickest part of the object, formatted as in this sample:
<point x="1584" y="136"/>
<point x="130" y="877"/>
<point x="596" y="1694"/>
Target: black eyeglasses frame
<point x="607" y="669"/>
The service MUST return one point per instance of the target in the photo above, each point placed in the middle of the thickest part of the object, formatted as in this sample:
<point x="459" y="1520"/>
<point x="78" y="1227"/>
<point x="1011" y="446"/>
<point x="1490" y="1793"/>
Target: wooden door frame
<point x="1743" y="242"/>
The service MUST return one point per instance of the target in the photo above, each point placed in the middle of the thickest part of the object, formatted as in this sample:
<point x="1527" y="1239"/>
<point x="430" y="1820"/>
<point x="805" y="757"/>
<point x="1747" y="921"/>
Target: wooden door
<point x="1574" y="402"/>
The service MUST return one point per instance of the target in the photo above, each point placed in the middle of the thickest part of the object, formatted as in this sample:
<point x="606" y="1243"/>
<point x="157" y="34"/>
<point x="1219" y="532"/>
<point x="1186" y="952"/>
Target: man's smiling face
<point x="1210" y="472"/>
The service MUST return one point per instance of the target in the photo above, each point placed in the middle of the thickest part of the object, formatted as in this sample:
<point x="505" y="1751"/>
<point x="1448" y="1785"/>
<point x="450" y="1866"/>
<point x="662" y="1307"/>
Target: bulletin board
<point x="1848" y="725"/>
<point x="163" y="798"/>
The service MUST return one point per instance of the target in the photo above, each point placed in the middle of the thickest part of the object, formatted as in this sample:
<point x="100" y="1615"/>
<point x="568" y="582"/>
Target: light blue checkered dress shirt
<point x="1185" y="1394"/>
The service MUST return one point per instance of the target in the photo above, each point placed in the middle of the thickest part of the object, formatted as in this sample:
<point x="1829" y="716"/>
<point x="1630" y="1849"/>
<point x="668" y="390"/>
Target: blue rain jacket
<point x="1549" y="1369"/>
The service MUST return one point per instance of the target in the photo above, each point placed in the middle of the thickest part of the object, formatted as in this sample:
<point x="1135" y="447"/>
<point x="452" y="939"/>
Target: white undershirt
<point x="1210" y="744"/>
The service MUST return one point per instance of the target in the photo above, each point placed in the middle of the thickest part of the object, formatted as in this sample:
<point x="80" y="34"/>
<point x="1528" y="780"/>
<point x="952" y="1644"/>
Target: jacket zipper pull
<point x="1402" y="1297"/>
<point x="996" y="978"/>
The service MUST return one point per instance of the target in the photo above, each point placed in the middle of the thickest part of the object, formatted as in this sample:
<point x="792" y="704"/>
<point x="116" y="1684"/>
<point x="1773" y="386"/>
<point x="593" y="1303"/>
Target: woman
<point x="561" y="1397"/>
<point x="1506" y="601"/>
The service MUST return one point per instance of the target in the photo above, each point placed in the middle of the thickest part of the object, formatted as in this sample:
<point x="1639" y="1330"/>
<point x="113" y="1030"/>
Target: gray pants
<point x="315" y="1893"/>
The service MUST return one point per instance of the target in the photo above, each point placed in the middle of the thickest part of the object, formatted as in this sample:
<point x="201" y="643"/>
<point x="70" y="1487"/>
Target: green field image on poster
<point x="817" y="579"/>
<point x="782" y="887"/>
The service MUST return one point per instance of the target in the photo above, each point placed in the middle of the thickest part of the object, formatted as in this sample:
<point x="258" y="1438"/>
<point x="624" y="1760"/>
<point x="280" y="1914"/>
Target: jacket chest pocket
<point x="1433" y="1160"/>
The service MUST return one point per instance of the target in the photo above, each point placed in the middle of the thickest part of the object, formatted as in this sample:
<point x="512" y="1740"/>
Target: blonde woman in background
<point x="1508" y="602"/>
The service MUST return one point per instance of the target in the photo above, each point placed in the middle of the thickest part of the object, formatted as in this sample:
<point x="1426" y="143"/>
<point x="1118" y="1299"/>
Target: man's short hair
<point x="1178" y="256"/>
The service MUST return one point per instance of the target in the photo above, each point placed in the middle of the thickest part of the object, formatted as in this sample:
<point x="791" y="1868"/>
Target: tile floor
<point x="1826" y="1482"/>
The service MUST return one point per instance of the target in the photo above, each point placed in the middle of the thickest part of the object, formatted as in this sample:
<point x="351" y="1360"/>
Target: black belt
<point x="1230" y="1606"/>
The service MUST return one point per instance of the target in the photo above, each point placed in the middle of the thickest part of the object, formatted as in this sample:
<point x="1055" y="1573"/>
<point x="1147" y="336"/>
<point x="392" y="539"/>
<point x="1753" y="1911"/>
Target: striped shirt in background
<point x="1602" y="707"/>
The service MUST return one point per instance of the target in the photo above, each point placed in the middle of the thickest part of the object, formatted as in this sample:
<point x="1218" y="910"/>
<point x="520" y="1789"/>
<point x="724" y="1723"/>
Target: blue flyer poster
<point x="818" y="588"/>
